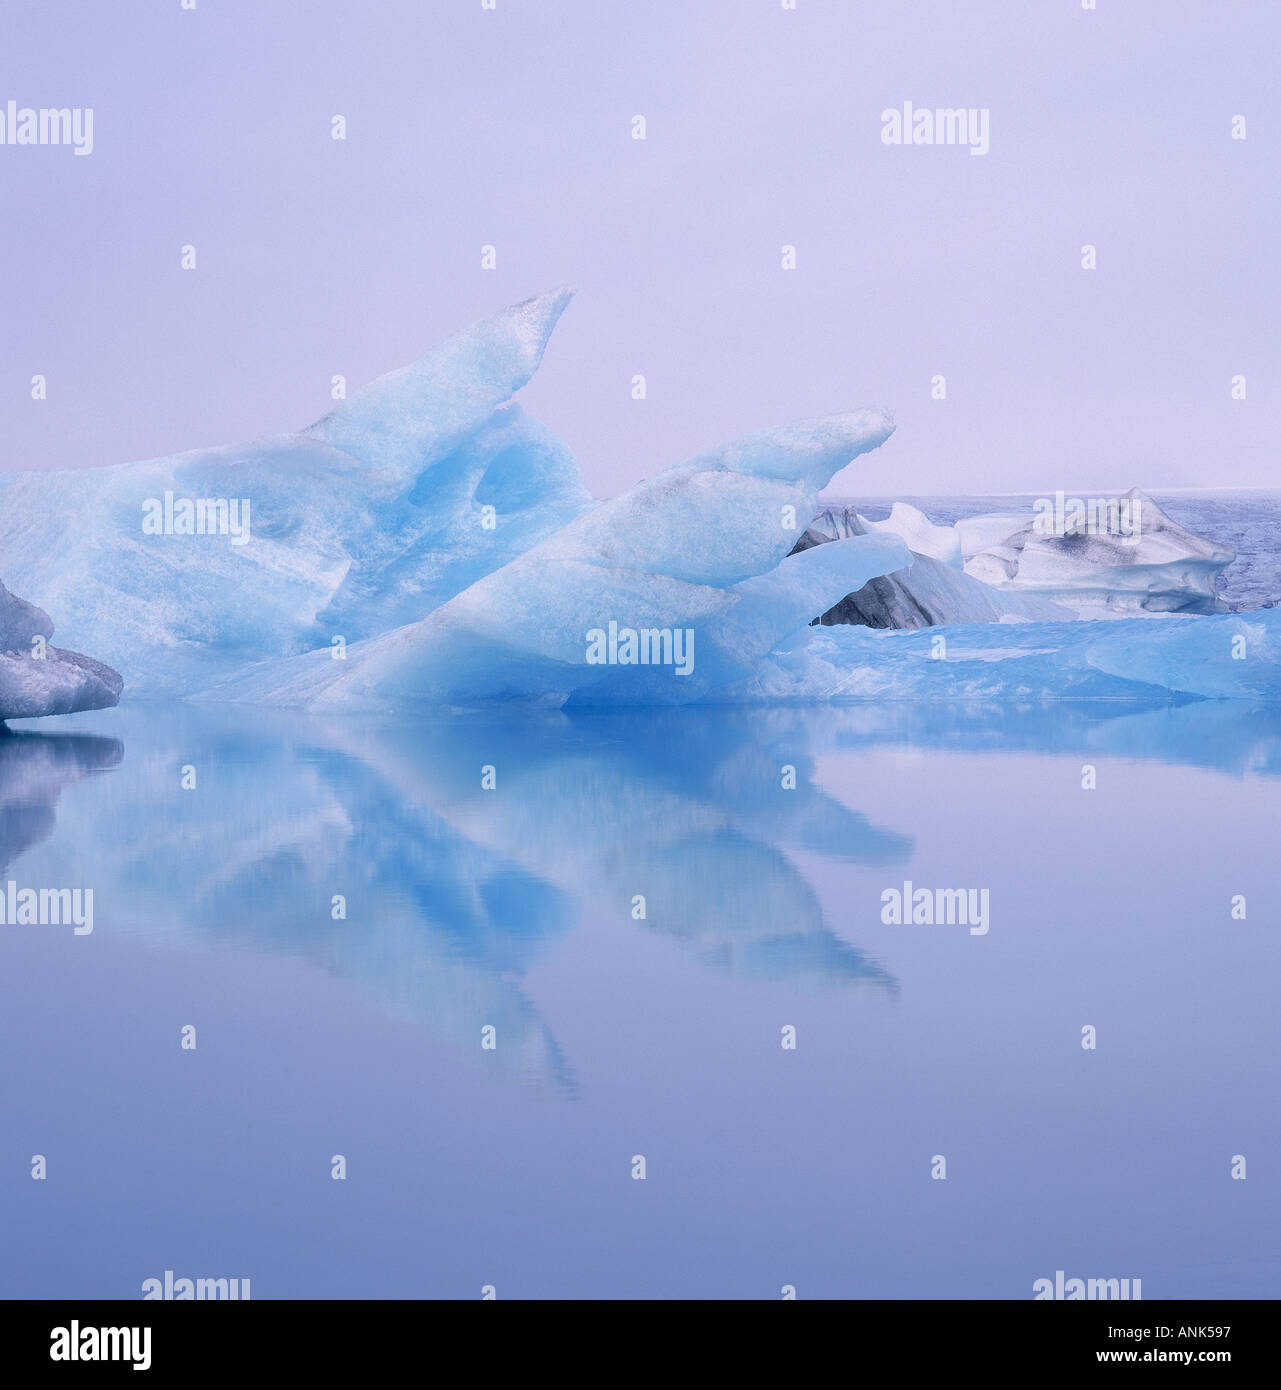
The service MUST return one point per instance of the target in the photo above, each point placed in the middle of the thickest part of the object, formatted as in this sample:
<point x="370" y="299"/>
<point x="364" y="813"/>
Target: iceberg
<point x="933" y="591"/>
<point x="37" y="678"/>
<point x="419" y="484"/>
<point x="1140" y="561"/>
<point x="699" y="553"/>
<point x="428" y="544"/>
<point x="922" y="537"/>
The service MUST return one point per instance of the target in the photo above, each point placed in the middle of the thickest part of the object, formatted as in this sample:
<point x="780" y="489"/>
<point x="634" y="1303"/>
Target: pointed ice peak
<point x="412" y="417"/>
<point x="21" y="622"/>
<point x="808" y="452"/>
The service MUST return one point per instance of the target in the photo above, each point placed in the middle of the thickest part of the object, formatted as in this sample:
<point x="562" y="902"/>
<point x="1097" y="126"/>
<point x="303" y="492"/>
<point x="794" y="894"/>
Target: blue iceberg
<point x="428" y="544"/>
<point x="1233" y="656"/>
<point x="367" y="520"/>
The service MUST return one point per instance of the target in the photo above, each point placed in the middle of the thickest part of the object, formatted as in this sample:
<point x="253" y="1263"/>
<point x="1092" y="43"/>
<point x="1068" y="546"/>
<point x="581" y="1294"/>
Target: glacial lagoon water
<point x="513" y="908"/>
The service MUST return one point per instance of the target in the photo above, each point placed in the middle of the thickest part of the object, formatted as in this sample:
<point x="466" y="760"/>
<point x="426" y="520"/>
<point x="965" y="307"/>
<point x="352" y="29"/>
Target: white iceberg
<point x="931" y="592"/>
<point x="1130" y="558"/>
<point x="39" y="679"/>
<point x="920" y="535"/>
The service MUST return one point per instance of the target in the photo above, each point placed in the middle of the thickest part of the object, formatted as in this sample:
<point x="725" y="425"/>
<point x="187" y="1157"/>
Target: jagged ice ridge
<point x="428" y="543"/>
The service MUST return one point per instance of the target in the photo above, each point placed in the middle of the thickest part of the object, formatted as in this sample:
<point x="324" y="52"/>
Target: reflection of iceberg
<point x="684" y="809"/>
<point x="454" y="895"/>
<point x="437" y="931"/>
<point x="457" y="895"/>
<point x="34" y="768"/>
<point x="740" y="907"/>
<point x="1239" y="738"/>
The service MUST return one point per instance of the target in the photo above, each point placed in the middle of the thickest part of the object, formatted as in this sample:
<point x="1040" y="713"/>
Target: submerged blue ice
<point x="1236" y="656"/>
<point x="429" y="543"/>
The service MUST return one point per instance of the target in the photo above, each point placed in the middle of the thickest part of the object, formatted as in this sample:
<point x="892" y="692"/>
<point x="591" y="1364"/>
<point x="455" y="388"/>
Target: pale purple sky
<point x="512" y="127"/>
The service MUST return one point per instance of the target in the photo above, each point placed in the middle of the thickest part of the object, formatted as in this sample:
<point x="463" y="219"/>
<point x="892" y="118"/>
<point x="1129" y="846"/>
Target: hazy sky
<point x="513" y="127"/>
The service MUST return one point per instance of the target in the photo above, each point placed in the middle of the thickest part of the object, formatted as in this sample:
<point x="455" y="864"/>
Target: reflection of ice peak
<point x="455" y="897"/>
<point x="1238" y="737"/>
<point x="684" y="808"/>
<point x="742" y="908"/>
<point x="820" y="957"/>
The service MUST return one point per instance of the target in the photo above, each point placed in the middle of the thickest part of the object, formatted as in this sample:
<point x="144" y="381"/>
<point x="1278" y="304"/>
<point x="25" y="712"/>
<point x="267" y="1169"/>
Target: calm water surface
<point x="617" y="1035"/>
